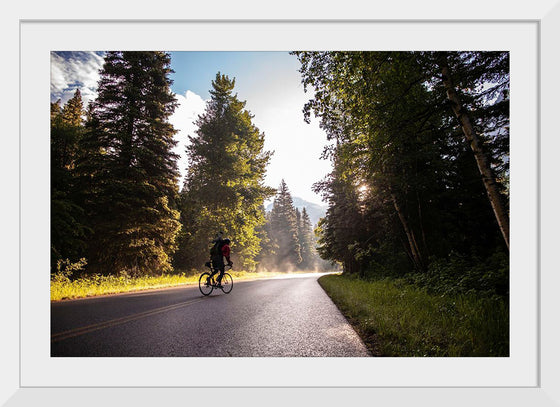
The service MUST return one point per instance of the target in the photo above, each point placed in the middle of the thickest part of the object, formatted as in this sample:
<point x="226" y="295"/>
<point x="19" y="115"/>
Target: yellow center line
<point x="118" y="321"/>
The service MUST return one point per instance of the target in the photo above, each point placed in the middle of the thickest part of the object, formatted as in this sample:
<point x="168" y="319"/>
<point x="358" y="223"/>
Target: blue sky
<point x="268" y="81"/>
<point x="194" y="70"/>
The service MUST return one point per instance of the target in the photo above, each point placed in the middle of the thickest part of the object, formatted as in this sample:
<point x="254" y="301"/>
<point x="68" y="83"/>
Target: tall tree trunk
<point x="421" y="223"/>
<point x="414" y="249"/>
<point x="472" y="138"/>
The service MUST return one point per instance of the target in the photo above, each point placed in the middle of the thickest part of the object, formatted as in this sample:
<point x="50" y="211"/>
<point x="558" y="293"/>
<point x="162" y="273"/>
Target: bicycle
<point x="206" y="284"/>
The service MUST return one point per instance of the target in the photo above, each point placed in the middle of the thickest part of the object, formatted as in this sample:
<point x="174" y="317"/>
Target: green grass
<point x="398" y="319"/>
<point x="64" y="288"/>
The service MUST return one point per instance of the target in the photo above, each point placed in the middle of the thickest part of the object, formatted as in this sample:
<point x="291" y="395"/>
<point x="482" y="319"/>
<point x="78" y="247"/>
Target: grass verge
<point x="63" y="288"/>
<point x="398" y="319"/>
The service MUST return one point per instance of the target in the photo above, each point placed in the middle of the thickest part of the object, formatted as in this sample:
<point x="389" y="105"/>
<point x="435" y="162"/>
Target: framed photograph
<point x="526" y="377"/>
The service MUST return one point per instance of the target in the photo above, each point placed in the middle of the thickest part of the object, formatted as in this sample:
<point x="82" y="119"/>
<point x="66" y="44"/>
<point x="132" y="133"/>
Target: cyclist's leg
<point x="216" y="266"/>
<point x="222" y="269"/>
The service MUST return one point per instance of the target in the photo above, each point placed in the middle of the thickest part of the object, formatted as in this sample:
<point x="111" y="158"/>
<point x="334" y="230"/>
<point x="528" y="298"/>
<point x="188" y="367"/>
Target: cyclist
<point x="217" y="258"/>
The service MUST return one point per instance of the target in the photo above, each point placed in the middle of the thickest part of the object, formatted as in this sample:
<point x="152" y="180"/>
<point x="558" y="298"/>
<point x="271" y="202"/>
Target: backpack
<point x="216" y="249"/>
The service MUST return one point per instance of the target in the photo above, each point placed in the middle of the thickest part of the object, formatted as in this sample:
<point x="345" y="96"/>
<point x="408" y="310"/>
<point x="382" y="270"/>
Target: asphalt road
<point x="284" y="317"/>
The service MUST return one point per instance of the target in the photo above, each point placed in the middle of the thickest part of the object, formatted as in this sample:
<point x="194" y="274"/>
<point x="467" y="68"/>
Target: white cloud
<point x="189" y="108"/>
<point x="71" y="70"/>
<point x="58" y="78"/>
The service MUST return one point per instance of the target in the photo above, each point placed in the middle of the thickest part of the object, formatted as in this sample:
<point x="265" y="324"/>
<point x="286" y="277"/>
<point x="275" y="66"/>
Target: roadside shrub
<point x="459" y="274"/>
<point x="65" y="269"/>
<point x="381" y="261"/>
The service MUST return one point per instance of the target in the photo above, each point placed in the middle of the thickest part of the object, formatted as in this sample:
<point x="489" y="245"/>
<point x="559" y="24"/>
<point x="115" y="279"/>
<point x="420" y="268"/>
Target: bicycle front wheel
<point x="204" y="284"/>
<point x="227" y="283"/>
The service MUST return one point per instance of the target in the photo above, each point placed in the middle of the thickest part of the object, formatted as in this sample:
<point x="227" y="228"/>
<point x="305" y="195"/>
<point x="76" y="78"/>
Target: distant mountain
<point x="314" y="210"/>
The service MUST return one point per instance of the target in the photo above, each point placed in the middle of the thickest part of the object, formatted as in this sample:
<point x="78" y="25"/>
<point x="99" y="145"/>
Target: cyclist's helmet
<point x="227" y="241"/>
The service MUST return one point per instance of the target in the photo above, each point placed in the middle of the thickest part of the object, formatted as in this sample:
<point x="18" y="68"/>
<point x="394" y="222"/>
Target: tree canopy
<point x="405" y="184"/>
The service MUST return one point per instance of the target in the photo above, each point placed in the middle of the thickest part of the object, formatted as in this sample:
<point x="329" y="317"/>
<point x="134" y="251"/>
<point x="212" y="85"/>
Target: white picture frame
<point x="16" y="390"/>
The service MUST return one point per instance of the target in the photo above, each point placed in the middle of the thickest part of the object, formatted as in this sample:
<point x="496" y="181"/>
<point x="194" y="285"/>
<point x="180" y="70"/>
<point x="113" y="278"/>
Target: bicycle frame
<point x="207" y="284"/>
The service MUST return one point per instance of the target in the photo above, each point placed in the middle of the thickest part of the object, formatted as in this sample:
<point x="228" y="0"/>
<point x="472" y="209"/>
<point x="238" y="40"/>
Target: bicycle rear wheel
<point x="227" y="283"/>
<point x="204" y="285"/>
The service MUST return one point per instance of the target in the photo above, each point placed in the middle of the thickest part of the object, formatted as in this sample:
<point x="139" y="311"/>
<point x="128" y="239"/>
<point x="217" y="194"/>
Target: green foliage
<point x="459" y="274"/>
<point x="224" y="190"/>
<point x="98" y="284"/>
<point x="128" y="172"/>
<point x="309" y="256"/>
<point x="380" y="261"/>
<point x="283" y="230"/>
<point x="404" y="194"/>
<point x="397" y="319"/>
<point x="65" y="285"/>
<point x="69" y="228"/>
<point x="66" y="269"/>
<point x="344" y="224"/>
<point x="404" y="183"/>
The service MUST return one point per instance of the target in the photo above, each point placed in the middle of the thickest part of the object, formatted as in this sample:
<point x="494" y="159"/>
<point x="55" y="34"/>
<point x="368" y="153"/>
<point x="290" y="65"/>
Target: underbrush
<point x="457" y="274"/>
<point x="64" y="285"/>
<point x="65" y="288"/>
<point x="396" y="318"/>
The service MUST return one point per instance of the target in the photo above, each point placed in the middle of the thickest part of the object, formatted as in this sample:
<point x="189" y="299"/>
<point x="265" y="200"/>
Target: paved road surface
<point x="273" y="318"/>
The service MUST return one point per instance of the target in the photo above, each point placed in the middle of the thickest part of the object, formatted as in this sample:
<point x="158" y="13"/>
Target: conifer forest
<point x="418" y="144"/>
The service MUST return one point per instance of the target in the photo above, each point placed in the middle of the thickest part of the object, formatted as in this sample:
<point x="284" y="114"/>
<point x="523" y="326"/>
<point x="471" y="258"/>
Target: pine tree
<point x="73" y="112"/>
<point x="224" y="187"/>
<point x="128" y="169"/>
<point x="284" y="230"/>
<point x="299" y="232"/>
<point x="265" y="257"/>
<point x="307" y="242"/>
<point x="68" y="224"/>
<point x="67" y="126"/>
